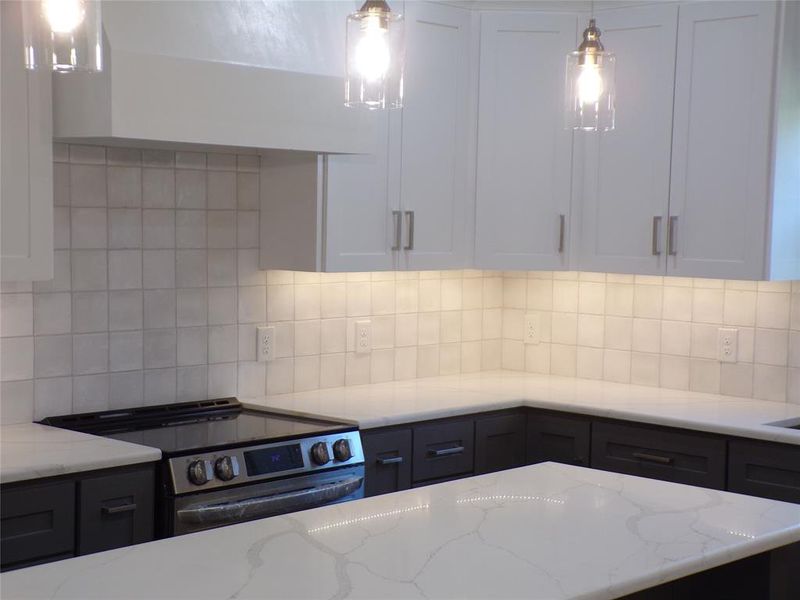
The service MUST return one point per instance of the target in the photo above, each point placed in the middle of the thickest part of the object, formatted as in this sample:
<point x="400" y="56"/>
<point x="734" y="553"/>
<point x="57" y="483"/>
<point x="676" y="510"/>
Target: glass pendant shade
<point x="589" y="89"/>
<point x="375" y="56"/>
<point x="63" y="35"/>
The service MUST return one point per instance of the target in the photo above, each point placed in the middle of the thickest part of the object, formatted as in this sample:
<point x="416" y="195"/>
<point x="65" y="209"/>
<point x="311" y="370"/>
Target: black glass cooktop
<point x="191" y="426"/>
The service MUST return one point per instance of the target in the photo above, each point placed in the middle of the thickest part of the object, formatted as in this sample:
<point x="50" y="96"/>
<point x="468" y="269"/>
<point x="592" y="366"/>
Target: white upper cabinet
<point x="26" y="161"/>
<point x="524" y="152"/>
<point x="361" y="198"/>
<point x="734" y="200"/>
<point x="437" y="130"/>
<point x="406" y="203"/>
<point x="626" y="172"/>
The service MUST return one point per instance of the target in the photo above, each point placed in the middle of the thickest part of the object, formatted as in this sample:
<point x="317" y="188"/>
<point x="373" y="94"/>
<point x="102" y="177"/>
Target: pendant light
<point x="63" y="35"/>
<point x="589" y="89"/>
<point x="375" y="55"/>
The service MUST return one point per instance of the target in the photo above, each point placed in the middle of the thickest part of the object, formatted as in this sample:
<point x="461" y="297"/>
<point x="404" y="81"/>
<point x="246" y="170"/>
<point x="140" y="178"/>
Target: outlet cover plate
<point x="728" y="344"/>
<point x="363" y="337"/>
<point x="265" y="343"/>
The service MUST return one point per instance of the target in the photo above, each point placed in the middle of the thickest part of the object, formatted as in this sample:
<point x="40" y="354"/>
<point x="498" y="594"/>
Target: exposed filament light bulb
<point x="590" y="84"/>
<point x="372" y="52"/>
<point x="589" y="89"/>
<point x="64" y="16"/>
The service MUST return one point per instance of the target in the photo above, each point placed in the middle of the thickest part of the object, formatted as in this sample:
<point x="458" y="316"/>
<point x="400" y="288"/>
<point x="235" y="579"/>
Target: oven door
<point x="256" y="501"/>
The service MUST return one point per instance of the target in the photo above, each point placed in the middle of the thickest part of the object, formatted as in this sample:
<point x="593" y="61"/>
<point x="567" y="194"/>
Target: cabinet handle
<point x="409" y="230"/>
<point x="446" y="451"/>
<point x="672" y="227"/>
<point x="115" y="510"/>
<point x="398" y="229"/>
<point x="656" y="236"/>
<point x="394" y="460"/>
<point x="562" y="219"/>
<point x="662" y="460"/>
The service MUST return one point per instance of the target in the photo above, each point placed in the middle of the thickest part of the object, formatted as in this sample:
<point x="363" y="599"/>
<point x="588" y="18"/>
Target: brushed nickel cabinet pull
<point x="392" y="460"/>
<point x="115" y="510"/>
<point x="398" y="229"/>
<point x="656" y="236"/>
<point x="672" y="227"/>
<point x="661" y="460"/>
<point x="562" y="220"/>
<point x="409" y="230"/>
<point x="446" y="451"/>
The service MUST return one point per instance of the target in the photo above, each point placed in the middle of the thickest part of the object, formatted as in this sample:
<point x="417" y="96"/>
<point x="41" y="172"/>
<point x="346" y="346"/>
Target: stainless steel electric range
<point x="224" y="462"/>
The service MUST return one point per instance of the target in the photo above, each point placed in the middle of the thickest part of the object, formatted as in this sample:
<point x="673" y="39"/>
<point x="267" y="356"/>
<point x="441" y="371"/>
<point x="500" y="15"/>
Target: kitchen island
<point x="542" y="531"/>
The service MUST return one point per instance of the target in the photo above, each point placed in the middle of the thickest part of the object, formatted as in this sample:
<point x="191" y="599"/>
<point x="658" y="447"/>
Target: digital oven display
<point x="274" y="459"/>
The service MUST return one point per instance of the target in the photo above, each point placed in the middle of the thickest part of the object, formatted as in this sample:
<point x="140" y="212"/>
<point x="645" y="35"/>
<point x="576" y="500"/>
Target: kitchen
<point x="488" y="339"/>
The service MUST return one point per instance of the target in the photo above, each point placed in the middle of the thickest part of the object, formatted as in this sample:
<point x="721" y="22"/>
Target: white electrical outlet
<point x="363" y="337"/>
<point x="728" y="344"/>
<point x="532" y="335"/>
<point x="265" y="343"/>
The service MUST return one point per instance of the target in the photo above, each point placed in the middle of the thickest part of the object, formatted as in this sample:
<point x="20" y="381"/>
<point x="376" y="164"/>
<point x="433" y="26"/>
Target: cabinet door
<point x="682" y="457"/>
<point x="563" y="439"/>
<point x="443" y="450"/>
<point x="524" y="152"/>
<point x="766" y="470"/>
<point x="499" y="443"/>
<point x="26" y="158"/>
<point x="437" y="126"/>
<point x="626" y="172"/>
<point x="38" y="523"/>
<point x="116" y="510"/>
<point x="361" y="217"/>
<point x="387" y="461"/>
<point x="719" y="198"/>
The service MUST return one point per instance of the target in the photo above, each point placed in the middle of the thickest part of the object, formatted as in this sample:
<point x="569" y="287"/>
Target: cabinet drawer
<point x="116" y="510"/>
<point x="559" y="438"/>
<point x="387" y="456"/>
<point x="659" y="453"/>
<point x="499" y="443"/>
<point x="763" y="469"/>
<point x="38" y="522"/>
<point x="443" y="449"/>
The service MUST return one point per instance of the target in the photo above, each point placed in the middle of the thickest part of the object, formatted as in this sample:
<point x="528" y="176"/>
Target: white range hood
<point x="263" y="74"/>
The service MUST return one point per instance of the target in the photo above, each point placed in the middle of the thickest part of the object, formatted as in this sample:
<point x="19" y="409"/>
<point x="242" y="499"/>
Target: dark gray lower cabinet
<point x="116" y="510"/>
<point x="387" y="461"/>
<point x="678" y="456"/>
<point x="499" y="442"/>
<point x="764" y="469"/>
<point x="560" y="438"/>
<point x="443" y="449"/>
<point x="38" y="523"/>
<point x="80" y="514"/>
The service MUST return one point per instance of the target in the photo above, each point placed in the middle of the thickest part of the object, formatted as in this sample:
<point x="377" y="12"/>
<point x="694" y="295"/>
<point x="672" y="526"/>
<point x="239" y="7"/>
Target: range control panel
<point x="212" y="470"/>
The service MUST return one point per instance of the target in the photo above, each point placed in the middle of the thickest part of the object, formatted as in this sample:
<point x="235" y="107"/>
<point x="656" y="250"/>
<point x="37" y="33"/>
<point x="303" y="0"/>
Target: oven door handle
<point x="264" y="506"/>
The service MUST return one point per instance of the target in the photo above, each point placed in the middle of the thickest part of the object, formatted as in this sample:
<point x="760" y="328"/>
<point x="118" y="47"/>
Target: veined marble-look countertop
<point x="397" y="402"/>
<point x="542" y="531"/>
<point x="32" y="451"/>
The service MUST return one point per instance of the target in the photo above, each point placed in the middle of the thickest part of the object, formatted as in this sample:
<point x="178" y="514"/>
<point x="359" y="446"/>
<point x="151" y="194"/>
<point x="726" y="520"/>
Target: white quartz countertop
<point x="31" y="451"/>
<point x="542" y="531"/>
<point x="393" y="403"/>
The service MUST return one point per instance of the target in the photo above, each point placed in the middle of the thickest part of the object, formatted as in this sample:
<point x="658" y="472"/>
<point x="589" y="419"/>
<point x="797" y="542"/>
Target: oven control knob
<point x="226" y="468"/>
<point x="341" y="450"/>
<point x="319" y="453"/>
<point x="200" y="472"/>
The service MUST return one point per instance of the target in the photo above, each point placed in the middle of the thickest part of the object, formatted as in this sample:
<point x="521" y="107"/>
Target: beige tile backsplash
<point x="157" y="294"/>
<point x="657" y="331"/>
<point x="423" y="324"/>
